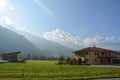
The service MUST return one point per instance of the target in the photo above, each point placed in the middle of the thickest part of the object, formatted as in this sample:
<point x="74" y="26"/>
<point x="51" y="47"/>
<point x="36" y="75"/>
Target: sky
<point x="70" y="22"/>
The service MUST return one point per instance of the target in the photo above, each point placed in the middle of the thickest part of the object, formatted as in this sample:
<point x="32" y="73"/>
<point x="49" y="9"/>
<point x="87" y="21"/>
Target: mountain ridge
<point x="11" y="41"/>
<point x="48" y="46"/>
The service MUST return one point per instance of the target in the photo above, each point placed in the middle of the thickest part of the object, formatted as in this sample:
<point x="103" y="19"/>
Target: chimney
<point x="94" y="46"/>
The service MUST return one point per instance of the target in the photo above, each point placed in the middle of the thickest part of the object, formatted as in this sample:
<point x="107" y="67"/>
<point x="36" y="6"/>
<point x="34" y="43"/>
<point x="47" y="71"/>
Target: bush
<point x="72" y="61"/>
<point x="68" y="60"/>
<point x="61" y="60"/>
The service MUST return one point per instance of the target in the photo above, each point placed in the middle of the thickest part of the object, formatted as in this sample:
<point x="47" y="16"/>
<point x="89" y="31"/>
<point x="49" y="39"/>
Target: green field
<point x="49" y="70"/>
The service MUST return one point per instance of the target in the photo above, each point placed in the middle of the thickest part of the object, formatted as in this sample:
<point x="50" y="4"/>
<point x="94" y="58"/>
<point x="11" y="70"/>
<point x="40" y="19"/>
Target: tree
<point x="72" y="61"/>
<point x="68" y="60"/>
<point x="61" y="60"/>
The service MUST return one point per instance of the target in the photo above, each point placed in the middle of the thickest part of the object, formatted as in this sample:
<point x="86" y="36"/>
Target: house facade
<point x="11" y="57"/>
<point x="95" y="55"/>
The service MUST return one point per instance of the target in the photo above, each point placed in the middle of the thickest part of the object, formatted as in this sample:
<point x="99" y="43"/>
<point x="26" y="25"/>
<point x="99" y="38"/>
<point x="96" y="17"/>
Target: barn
<point x="11" y="57"/>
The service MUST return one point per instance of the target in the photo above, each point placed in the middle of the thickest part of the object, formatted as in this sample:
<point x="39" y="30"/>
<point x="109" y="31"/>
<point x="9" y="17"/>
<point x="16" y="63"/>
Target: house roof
<point x="11" y="53"/>
<point x="94" y="49"/>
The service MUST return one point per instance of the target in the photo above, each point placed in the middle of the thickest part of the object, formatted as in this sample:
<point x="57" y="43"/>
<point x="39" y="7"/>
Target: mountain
<point x="11" y="41"/>
<point x="50" y="48"/>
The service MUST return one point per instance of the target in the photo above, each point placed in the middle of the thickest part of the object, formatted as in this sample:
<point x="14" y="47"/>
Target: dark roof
<point x="94" y="49"/>
<point x="12" y="53"/>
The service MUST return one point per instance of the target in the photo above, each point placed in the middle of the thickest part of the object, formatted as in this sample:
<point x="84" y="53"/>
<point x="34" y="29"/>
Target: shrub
<point x="72" y="61"/>
<point x="61" y="60"/>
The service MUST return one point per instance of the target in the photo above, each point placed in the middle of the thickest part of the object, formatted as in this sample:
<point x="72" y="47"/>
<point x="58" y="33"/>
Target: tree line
<point x="39" y="57"/>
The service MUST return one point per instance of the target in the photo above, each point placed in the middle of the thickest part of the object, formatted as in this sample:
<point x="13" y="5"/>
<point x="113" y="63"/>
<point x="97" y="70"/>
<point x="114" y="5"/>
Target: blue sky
<point x="84" y="22"/>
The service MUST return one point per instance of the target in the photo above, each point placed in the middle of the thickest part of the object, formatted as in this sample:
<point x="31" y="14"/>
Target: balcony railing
<point x="110" y="56"/>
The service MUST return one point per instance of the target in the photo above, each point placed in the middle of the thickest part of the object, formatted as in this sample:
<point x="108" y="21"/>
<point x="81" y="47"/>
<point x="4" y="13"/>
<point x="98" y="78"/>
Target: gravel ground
<point x="106" y="66"/>
<point x="108" y="79"/>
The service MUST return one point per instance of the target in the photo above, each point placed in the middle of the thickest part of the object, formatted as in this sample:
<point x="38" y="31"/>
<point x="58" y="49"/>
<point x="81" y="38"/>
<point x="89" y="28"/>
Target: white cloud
<point x="62" y="37"/>
<point x="8" y="23"/>
<point x="97" y="40"/>
<point x="6" y="20"/>
<point x="22" y="29"/>
<point x="5" y="5"/>
<point x="44" y="7"/>
<point x="88" y="41"/>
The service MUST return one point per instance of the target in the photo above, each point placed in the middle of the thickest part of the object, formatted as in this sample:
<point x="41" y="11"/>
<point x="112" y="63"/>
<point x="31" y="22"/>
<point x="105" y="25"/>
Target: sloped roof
<point x="11" y="53"/>
<point x="94" y="49"/>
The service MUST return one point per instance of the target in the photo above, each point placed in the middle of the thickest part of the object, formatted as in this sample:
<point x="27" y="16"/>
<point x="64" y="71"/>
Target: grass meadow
<point x="49" y="70"/>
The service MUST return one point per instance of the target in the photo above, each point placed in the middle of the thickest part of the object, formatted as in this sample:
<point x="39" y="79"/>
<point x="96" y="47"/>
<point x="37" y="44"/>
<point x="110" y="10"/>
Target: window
<point x="109" y="54"/>
<point x="86" y="60"/>
<point x="102" y="53"/>
<point x="102" y="61"/>
<point x="86" y="53"/>
<point x="95" y="60"/>
<point x="95" y="53"/>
